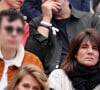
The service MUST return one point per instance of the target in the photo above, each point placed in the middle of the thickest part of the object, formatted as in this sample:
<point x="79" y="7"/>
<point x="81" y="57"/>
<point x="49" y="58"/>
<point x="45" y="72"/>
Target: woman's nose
<point x="90" y="50"/>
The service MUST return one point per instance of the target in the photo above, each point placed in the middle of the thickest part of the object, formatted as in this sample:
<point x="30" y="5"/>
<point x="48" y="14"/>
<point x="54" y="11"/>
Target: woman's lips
<point x="20" y="2"/>
<point x="89" y="58"/>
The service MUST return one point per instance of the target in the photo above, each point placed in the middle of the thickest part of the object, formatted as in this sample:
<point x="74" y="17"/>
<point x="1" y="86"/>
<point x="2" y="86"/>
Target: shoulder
<point x="34" y="23"/>
<point x="88" y="18"/>
<point x="80" y="14"/>
<point x="32" y="59"/>
<point x="97" y="87"/>
<point x="58" y="73"/>
<point x="35" y="20"/>
<point x="58" y="80"/>
<point x="29" y="55"/>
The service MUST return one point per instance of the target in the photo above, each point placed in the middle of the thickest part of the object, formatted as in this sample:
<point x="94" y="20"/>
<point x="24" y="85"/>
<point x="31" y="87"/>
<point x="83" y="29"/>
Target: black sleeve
<point x="36" y="43"/>
<point x="95" y="22"/>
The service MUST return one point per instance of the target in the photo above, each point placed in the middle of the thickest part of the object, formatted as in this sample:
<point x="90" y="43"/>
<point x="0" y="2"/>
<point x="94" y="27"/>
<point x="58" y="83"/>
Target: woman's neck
<point x="8" y="53"/>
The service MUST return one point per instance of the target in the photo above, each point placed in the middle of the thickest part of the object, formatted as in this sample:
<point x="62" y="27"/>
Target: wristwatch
<point x="46" y="24"/>
<point x="49" y="26"/>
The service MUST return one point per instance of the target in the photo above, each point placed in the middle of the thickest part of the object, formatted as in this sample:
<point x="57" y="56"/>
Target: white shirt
<point x="4" y="81"/>
<point x="58" y="80"/>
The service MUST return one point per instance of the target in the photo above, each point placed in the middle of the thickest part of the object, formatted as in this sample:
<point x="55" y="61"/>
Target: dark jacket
<point x="31" y="8"/>
<point x="82" y="5"/>
<point x="49" y="50"/>
<point x="96" y="6"/>
<point x="95" y="3"/>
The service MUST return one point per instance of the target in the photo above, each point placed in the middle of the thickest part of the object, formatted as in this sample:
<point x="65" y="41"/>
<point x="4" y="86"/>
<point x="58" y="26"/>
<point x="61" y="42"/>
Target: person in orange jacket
<point x="12" y="54"/>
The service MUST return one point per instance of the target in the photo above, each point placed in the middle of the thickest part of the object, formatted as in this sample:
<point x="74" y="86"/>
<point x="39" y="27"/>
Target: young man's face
<point x="11" y="33"/>
<point x="14" y="3"/>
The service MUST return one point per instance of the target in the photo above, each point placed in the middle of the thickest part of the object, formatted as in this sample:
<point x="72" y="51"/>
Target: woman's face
<point x="28" y="82"/>
<point x="14" y="3"/>
<point x="87" y="54"/>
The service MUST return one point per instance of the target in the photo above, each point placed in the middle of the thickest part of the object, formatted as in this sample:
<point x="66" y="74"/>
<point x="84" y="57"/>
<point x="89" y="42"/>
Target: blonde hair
<point x="33" y="71"/>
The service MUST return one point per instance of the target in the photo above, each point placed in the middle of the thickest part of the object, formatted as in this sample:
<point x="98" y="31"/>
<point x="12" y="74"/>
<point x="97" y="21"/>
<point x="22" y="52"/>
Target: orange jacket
<point x="28" y="58"/>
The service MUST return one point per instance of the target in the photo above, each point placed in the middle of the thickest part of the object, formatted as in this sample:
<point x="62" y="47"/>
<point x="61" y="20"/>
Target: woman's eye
<point x="36" y="88"/>
<point x="26" y="86"/>
<point x="84" y="46"/>
<point x="95" y="48"/>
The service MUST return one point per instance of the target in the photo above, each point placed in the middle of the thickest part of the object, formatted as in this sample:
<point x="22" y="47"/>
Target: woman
<point x="5" y="4"/>
<point x="29" y="77"/>
<point x="81" y="67"/>
<point x="17" y="4"/>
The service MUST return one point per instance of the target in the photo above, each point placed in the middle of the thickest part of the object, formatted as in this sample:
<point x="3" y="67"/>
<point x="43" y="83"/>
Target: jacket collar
<point x="19" y="56"/>
<point x="76" y="13"/>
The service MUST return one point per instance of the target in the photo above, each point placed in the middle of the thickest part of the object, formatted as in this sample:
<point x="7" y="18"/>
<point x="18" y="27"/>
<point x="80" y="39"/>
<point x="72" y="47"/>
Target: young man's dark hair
<point x="12" y="15"/>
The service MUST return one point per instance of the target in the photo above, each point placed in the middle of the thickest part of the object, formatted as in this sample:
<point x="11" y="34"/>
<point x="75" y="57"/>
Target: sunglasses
<point x="10" y="29"/>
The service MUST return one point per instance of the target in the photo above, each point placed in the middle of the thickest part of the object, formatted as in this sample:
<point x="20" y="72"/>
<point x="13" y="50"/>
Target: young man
<point x="51" y="44"/>
<point x="12" y="54"/>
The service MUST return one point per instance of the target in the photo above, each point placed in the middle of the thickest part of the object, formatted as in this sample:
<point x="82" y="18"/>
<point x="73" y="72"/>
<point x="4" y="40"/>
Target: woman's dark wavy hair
<point x="69" y="64"/>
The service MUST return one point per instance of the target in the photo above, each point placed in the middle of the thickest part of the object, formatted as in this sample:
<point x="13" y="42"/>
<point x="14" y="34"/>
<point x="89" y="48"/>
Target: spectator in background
<point x="29" y="77"/>
<point x="95" y="6"/>
<point x="95" y="3"/>
<point x="31" y="8"/>
<point x="6" y="4"/>
<point x="50" y="34"/>
<point x="82" y="5"/>
<point x="12" y="54"/>
<point x="81" y="67"/>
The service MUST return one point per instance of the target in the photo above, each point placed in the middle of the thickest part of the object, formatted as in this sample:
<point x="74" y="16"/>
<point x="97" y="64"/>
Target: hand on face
<point x="48" y="8"/>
